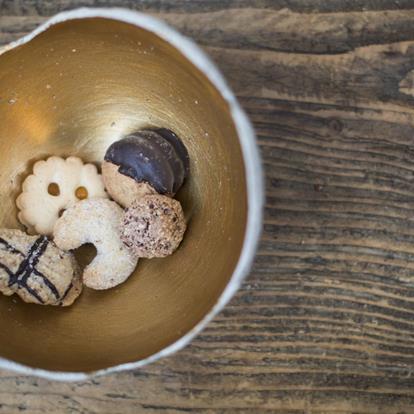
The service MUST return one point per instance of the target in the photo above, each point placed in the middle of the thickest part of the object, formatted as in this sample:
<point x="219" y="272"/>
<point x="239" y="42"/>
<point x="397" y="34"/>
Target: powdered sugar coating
<point x="97" y="221"/>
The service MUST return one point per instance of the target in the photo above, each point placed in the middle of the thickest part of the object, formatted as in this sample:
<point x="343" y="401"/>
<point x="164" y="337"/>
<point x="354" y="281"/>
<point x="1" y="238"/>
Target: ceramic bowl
<point x="77" y="83"/>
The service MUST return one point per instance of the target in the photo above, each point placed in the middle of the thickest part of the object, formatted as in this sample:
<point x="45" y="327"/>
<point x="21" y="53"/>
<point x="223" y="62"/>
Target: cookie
<point x="123" y="189"/>
<point x="97" y="221"/>
<point x="36" y="270"/>
<point x="54" y="185"/>
<point x="154" y="157"/>
<point x="153" y="226"/>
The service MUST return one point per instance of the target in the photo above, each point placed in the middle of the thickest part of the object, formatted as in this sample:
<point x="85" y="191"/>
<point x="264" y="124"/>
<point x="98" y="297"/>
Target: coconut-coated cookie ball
<point x="153" y="226"/>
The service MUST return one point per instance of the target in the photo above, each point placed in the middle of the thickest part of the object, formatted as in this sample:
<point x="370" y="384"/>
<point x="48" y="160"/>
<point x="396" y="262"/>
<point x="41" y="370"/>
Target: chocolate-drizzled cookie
<point x="36" y="270"/>
<point x="146" y="162"/>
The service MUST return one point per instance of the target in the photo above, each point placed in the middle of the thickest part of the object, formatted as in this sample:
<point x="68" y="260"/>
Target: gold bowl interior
<point x="73" y="90"/>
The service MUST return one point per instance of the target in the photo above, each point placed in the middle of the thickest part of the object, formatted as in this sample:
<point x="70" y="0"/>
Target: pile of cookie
<point x="70" y="202"/>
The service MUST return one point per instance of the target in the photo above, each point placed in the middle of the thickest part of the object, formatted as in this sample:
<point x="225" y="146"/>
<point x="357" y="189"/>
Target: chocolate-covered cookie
<point x="123" y="189"/>
<point x="154" y="157"/>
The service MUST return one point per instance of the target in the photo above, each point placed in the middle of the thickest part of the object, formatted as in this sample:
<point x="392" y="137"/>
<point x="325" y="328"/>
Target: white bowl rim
<point x="251" y="157"/>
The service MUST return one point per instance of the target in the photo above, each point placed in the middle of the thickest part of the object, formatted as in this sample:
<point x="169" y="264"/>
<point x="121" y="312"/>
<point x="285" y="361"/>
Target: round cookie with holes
<point x="54" y="185"/>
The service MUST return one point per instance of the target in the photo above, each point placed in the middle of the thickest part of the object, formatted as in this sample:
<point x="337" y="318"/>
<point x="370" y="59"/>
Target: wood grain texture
<point x="325" y="322"/>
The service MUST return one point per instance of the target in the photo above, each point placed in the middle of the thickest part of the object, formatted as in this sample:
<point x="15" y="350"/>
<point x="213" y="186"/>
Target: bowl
<point x="73" y="86"/>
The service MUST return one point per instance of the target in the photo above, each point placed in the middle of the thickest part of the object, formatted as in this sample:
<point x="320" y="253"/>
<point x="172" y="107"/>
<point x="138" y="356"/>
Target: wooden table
<point x="325" y="322"/>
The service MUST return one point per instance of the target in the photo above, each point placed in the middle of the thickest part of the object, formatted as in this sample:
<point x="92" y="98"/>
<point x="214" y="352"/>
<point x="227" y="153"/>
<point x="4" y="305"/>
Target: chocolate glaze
<point x="9" y="247"/>
<point x="66" y="293"/>
<point x="155" y="156"/>
<point x="178" y="145"/>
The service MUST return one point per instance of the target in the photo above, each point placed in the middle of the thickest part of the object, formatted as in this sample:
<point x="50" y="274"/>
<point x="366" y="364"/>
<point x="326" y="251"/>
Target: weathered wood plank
<point x="48" y="7"/>
<point x="325" y="322"/>
<point x="271" y="30"/>
<point x="277" y="30"/>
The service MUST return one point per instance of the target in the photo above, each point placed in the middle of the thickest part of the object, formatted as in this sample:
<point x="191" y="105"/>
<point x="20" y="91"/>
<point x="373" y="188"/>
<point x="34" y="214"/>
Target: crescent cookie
<point x="54" y="185"/>
<point x="36" y="270"/>
<point x="97" y="221"/>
